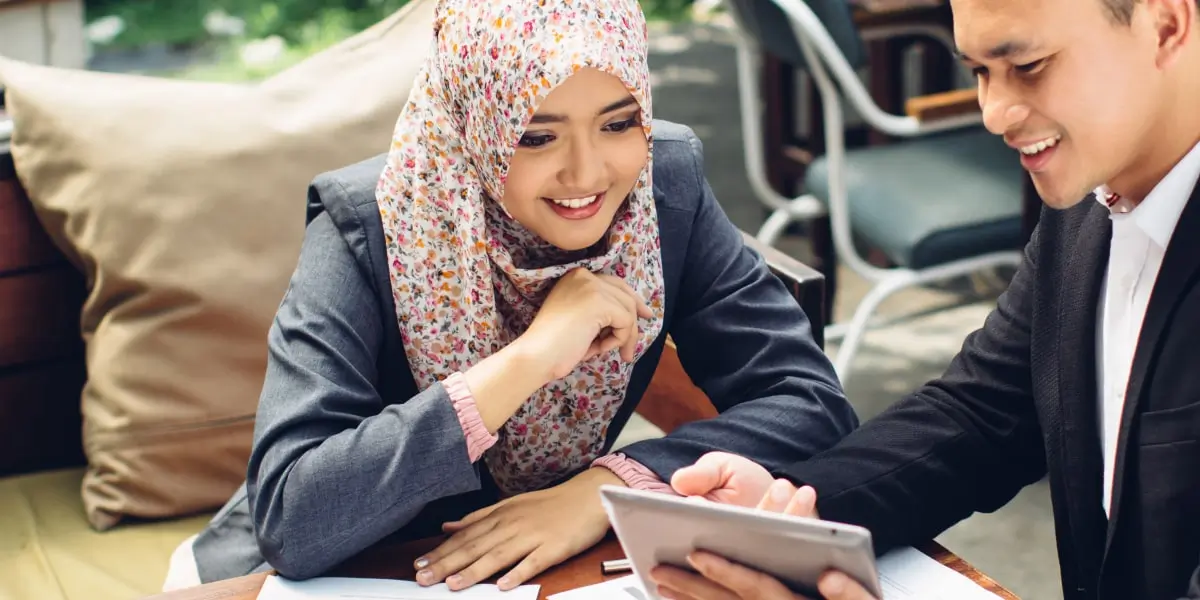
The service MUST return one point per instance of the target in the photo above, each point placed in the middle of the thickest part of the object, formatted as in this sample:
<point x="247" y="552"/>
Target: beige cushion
<point x="48" y="551"/>
<point x="183" y="202"/>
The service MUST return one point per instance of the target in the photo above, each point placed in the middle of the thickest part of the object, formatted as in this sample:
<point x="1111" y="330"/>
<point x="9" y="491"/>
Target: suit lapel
<point x="1080" y="441"/>
<point x="1180" y="266"/>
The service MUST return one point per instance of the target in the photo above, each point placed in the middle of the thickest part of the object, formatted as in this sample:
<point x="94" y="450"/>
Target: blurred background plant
<point x="237" y="40"/>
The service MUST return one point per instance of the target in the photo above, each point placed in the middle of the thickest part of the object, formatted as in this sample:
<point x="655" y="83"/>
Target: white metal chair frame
<point x="823" y="58"/>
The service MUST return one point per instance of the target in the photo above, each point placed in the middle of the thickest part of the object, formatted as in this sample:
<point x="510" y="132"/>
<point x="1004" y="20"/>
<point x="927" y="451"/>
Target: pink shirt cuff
<point x="633" y="473"/>
<point x="479" y="439"/>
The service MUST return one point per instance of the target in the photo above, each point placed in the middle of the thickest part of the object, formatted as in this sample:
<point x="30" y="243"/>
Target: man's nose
<point x="1001" y="110"/>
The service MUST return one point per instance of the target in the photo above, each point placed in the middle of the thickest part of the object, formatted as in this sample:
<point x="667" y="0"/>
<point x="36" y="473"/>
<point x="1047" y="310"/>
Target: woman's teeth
<point x="1039" y="146"/>
<point x="574" y="202"/>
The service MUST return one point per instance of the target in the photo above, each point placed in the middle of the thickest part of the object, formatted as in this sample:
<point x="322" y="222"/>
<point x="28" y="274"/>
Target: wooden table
<point x="395" y="561"/>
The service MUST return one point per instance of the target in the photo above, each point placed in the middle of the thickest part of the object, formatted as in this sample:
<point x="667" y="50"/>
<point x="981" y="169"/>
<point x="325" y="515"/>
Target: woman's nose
<point x="585" y="171"/>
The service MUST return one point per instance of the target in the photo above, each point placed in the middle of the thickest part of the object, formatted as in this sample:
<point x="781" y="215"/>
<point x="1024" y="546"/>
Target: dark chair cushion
<point x="931" y="200"/>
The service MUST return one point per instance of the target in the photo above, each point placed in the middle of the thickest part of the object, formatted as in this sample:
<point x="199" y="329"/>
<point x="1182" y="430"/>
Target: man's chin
<point x="1057" y="196"/>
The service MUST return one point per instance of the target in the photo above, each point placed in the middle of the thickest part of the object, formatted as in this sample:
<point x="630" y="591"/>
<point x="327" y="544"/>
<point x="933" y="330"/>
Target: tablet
<point x="655" y="528"/>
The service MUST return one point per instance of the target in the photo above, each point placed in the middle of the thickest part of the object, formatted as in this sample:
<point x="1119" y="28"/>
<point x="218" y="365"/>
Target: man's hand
<point x="725" y="478"/>
<point x="719" y="579"/>
<point x="538" y="529"/>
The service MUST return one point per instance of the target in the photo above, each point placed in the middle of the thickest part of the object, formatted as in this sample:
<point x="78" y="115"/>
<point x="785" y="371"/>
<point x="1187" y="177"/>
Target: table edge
<point x="247" y="587"/>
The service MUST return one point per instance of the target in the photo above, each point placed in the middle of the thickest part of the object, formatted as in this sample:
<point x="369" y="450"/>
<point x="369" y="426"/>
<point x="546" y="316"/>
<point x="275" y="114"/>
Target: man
<point x="1088" y="370"/>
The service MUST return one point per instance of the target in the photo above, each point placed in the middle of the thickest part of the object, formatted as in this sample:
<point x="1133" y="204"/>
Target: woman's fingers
<point x="641" y="309"/>
<point x="621" y="317"/>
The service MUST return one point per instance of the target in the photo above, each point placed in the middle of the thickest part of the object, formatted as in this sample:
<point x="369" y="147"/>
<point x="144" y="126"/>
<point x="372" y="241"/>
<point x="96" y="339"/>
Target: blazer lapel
<point x="1180" y="266"/>
<point x="1080" y="440"/>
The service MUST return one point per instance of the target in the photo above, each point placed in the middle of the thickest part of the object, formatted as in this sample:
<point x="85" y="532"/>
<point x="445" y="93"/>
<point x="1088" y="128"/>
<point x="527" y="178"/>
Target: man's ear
<point x="1174" y="23"/>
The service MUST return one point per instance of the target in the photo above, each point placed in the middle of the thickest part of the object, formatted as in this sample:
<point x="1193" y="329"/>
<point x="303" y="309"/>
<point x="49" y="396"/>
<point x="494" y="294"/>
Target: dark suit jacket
<point x="1020" y="401"/>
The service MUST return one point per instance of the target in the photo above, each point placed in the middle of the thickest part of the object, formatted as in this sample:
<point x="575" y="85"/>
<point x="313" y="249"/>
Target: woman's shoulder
<point x="346" y="188"/>
<point x="346" y="195"/>
<point x="678" y="165"/>
<point x="345" y="199"/>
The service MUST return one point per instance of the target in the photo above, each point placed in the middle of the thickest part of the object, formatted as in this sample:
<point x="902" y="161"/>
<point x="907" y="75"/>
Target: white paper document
<point x="624" y="588"/>
<point x="353" y="588"/>
<point x="904" y="574"/>
<point x="909" y="574"/>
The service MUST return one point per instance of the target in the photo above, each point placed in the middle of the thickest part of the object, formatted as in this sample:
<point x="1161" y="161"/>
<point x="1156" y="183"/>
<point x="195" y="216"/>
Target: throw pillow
<point x="183" y="203"/>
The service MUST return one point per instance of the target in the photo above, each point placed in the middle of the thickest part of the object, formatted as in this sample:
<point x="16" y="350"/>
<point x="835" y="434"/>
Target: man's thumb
<point x="706" y="475"/>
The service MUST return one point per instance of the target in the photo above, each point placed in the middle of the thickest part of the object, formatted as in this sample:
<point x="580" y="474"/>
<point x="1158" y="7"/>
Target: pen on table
<point x="610" y="567"/>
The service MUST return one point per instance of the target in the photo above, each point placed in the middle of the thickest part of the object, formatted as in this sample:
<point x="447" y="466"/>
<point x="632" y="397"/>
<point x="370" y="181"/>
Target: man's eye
<point x="1029" y="67"/>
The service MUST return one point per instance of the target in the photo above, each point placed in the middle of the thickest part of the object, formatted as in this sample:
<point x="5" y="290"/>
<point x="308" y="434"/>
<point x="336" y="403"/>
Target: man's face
<point x="1076" y="93"/>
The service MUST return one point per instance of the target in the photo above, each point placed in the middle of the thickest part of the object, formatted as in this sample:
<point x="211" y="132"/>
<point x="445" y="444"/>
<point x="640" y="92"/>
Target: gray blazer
<point x="347" y="451"/>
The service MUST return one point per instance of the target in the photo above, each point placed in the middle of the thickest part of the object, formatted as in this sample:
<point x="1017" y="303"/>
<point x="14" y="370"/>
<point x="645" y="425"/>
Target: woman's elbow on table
<point x="286" y="545"/>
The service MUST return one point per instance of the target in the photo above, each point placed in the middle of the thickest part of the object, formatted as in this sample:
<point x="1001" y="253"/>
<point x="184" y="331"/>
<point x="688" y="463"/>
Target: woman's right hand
<point x="584" y="315"/>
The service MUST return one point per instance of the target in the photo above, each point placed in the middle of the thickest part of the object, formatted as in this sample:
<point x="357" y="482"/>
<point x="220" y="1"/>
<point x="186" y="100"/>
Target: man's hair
<point x="1121" y="11"/>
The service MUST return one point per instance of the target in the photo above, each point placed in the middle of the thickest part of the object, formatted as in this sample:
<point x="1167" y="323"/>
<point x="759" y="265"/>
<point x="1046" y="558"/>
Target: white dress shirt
<point x="1139" y="240"/>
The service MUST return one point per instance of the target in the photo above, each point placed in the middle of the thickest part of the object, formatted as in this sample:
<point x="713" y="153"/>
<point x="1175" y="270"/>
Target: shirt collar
<point x="1158" y="214"/>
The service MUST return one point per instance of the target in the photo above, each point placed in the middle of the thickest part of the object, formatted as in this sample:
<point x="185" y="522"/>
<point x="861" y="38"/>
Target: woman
<point x="465" y="336"/>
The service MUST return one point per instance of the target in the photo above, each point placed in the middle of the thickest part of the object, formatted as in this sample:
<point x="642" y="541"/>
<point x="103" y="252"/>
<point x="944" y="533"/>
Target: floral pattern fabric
<point x="467" y="279"/>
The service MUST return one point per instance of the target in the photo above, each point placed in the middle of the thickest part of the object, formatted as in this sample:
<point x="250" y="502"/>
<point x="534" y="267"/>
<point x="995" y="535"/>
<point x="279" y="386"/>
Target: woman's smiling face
<point x="579" y="157"/>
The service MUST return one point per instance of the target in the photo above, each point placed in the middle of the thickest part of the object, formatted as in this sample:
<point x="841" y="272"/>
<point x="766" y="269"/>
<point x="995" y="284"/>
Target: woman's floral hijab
<point x="466" y="279"/>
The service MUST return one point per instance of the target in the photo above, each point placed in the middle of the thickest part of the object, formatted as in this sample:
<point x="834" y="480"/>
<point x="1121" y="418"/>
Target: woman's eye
<point x="621" y="126"/>
<point x="534" y="141"/>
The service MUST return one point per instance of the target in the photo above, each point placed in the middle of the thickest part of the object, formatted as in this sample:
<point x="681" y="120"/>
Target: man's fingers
<point x="707" y="474"/>
<point x="744" y="582"/>
<point x="803" y="503"/>
<point x="678" y="584"/>
<point x="838" y="586"/>
<point x="778" y="496"/>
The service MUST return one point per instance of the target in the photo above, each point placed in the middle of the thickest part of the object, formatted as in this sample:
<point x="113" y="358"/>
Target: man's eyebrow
<point x="1001" y="50"/>
<point x="618" y="105"/>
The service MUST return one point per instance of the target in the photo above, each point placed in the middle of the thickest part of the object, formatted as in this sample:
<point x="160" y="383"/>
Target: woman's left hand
<point x="538" y="529"/>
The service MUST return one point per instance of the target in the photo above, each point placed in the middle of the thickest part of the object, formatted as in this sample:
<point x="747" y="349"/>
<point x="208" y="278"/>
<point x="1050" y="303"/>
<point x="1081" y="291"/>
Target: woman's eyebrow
<point x="550" y="118"/>
<point x="618" y="105"/>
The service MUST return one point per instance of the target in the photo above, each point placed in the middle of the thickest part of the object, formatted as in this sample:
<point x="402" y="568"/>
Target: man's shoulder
<point x="1057" y="227"/>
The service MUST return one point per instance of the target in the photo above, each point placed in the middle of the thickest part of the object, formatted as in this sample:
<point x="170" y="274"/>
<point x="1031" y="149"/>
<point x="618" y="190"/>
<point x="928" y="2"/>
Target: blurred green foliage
<point x="298" y="22"/>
